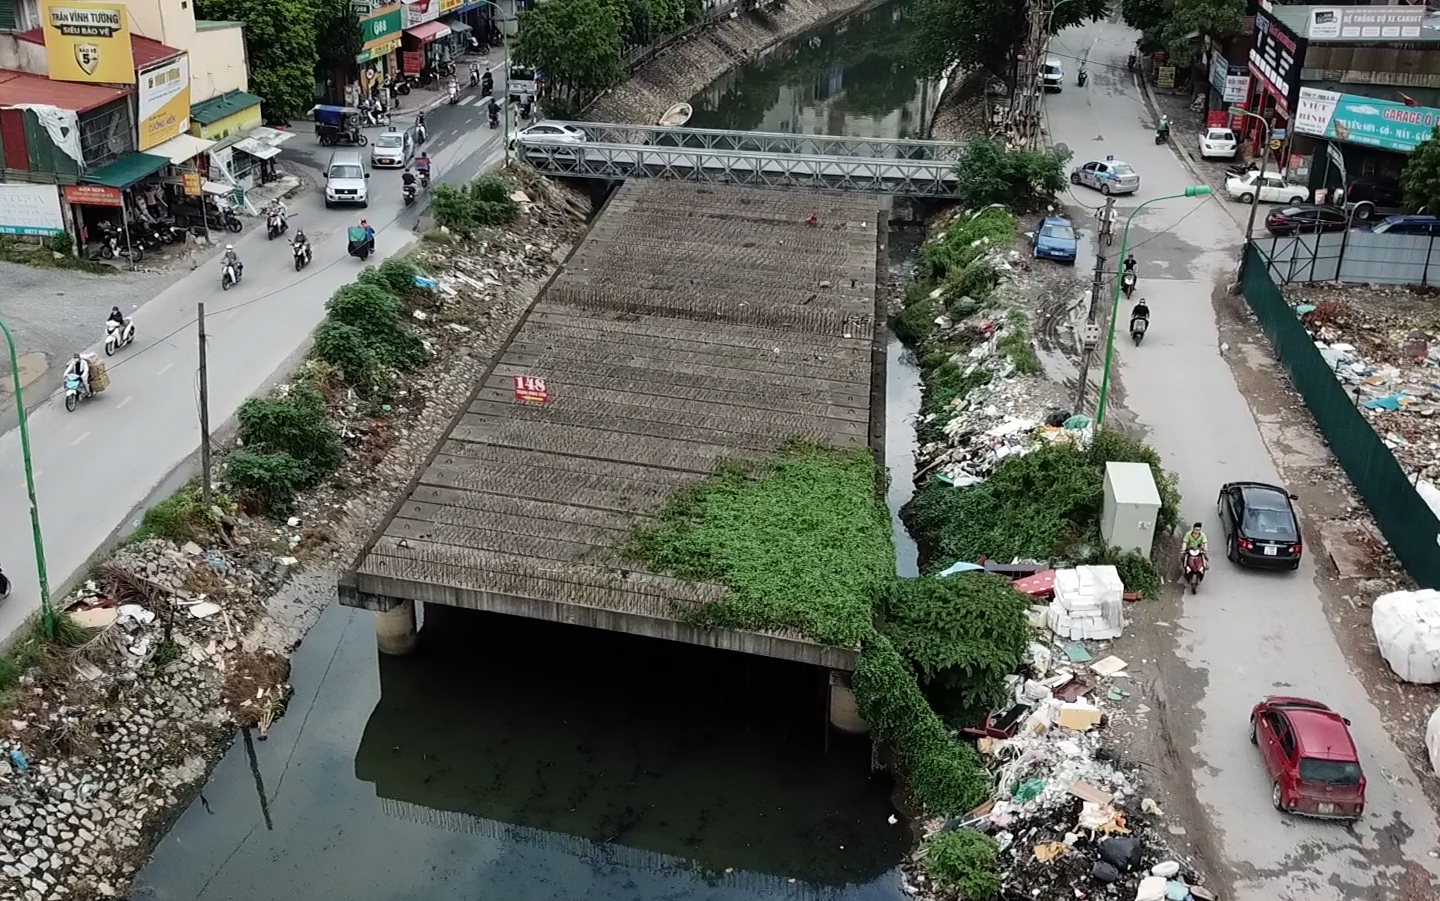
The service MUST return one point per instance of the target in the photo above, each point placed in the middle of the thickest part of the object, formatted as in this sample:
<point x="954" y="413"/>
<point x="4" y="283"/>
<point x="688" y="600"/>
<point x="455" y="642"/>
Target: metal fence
<point x="1404" y="518"/>
<point x="1355" y="257"/>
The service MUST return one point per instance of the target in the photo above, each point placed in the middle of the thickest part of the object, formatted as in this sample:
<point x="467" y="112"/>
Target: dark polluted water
<point x="851" y="77"/>
<point x="515" y="759"/>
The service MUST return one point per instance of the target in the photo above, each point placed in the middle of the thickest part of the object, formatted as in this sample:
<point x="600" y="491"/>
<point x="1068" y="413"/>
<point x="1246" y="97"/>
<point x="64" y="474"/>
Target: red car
<point x="1314" y="768"/>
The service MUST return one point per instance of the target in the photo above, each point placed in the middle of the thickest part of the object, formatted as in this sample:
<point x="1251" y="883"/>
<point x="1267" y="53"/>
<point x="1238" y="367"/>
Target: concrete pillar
<point x="844" y="712"/>
<point x="395" y="631"/>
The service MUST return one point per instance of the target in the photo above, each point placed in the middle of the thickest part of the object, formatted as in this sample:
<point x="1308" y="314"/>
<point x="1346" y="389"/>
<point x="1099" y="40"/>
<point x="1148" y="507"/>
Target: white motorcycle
<point x="276" y="224"/>
<point x="117" y="336"/>
<point x="454" y="93"/>
<point x="302" y="254"/>
<point x="230" y="275"/>
<point x="74" y="392"/>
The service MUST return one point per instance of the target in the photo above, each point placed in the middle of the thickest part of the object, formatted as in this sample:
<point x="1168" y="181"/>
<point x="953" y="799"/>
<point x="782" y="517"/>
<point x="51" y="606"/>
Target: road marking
<point x="124" y="402"/>
<point x="164" y="369"/>
<point x="80" y="439"/>
<point x="466" y="101"/>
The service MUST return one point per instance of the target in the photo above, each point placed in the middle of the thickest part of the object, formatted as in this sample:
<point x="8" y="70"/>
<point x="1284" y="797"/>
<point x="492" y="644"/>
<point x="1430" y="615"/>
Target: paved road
<point x="95" y="466"/>
<point x="1247" y="634"/>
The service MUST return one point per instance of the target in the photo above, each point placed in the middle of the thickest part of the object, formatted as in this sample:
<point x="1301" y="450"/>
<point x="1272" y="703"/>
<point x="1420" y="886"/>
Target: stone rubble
<point x="102" y="743"/>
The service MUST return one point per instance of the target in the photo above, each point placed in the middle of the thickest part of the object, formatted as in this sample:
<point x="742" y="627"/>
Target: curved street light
<point x="1192" y="191"/>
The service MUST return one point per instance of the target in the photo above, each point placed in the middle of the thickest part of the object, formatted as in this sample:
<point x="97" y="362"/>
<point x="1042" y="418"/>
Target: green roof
<point x="212" y="24"/>
<point x="208" y="112"/>
<point x="127" y="170"/>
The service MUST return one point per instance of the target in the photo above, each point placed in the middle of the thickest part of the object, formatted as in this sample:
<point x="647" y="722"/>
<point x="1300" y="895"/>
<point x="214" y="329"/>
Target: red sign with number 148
<point x="530" y="390"/>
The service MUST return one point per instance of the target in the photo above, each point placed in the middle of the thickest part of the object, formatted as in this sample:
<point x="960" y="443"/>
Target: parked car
<point x="1218" y="144"/>
<point x="1310" y="757"/>
<point x="1052" y="74"/>
<point x="1307" y="219"/>
<point x="1108" y="176"/>
<point x="393" y="148"/>
<point x="1368" y="199"/>
<point x="1275" y="188"/>
<point x="1259" y="525"/>
<point x="1415" y="224"/>
<point x="549" y="132"/>
<point x="1055" y="239"/>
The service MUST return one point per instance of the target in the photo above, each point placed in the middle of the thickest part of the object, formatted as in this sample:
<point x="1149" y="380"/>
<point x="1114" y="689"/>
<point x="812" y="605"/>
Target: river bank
<point x="689" y="66"/>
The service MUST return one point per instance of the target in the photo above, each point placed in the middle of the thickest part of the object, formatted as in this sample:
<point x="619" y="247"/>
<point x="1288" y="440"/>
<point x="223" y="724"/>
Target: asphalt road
<point x="1246" y="634"/>
<point x="95" y="466"/>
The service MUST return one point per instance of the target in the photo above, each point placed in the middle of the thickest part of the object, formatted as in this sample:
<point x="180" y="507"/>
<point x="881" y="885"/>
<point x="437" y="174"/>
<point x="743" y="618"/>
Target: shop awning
<point x="263" y="143"/>
<point x="426" y="32"/>
<point x="181" y="148"/>
<point x="127" y="170"/>
<point x="458" y="27"/>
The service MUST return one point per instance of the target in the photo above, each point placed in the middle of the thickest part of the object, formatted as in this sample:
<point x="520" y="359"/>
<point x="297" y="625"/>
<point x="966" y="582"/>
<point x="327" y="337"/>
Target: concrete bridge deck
<point x="691" y="325"/>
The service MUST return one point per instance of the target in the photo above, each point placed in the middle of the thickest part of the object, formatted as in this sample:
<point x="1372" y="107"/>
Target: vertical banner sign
<point x="191" y="181"/>
<point x="164" y="102"/>
<point x="530" y="390"/>
<point x="87" y="42"/>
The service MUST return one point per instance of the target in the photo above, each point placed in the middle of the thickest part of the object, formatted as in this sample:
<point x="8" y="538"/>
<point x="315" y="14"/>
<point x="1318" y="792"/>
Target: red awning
<point x="428" y="31"/>
<point x="19" y="88"/>
<point x="143" y="50"/>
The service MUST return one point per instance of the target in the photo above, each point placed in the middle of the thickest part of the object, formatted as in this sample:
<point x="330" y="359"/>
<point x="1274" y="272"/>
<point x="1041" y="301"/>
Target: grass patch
<point x="801" y="541"/>
<point x="31" y="650"/>
<point x="954" y="263"/>
<point x="50" y="254"/>
<point x="182" y="517"/>
<point x="1017" y="346"/>
<point x="964" y="860"/>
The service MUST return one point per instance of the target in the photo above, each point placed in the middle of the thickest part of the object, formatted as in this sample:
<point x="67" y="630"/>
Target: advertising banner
<point x="87" y="42"/>
<point x="449" y="6"/>
<point x="92" y="195"/>
<point x="421" y="11"/>
<point x="30" y="210"/>
<point x="1276" y="59"/>
<point x="1232" y="83"/>
<point x="164" y="98"/>
<point x="1365" y="23"/>
<point x="1364" y="120"/>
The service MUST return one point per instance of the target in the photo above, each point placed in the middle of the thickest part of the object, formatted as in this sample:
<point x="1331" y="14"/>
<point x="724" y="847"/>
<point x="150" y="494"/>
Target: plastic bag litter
<point x="1104" y="872"/>
<point x="1432" y="740"/>
<point x="1407" y="632"/>
<point x="1121" y="852"/>
<point x="1152" y="888"/>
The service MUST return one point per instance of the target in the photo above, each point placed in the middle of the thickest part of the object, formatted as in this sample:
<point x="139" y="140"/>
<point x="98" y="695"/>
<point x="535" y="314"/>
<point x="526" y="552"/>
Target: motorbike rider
<point x="422" y="166"/>
<point x="369" y="232"/>
<point x="1162" y="129"/>
<point x="231" y="258"/>
<point x="116" y="318"/>
<point x="1130" y="264"/>
<point x="407" y="181"/>
<point x="1141" y="311"/>
<point x="278" y="208"/>
<point x="452" y="88"/>
<point x="420" y="133"/>
<point x="487" y="82"/>
<point x="1195" y="540"/>
<point x="474" y="74"/>
<point x="301" y="242"/>
<point x="494" y="110"/>
<point x="79" y="366"/>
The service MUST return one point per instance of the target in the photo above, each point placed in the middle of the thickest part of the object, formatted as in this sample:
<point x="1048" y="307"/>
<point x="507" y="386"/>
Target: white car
<point x="548" y="133"/>
<point x="1108" y="176"/>
<point x="1275" y="189"/>
<point x="1217" y="144"/>
<point x="392" y="148"/>
<point x="1052" y="75"/>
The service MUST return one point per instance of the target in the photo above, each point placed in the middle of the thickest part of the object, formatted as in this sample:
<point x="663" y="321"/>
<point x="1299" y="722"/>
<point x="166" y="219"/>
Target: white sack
<point x="1432" y="740"/>
<point x="1407" y="632"/>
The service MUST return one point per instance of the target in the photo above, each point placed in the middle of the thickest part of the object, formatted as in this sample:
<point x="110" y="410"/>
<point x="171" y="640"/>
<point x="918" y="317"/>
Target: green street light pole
<point x="1192" y="191"/>
<point x="47" y="612"/>
<point x="504" y="107"/>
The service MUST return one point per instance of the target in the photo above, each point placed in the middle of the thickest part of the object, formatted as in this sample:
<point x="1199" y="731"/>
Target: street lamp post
<point x="47" y="613"/>
<point x="1192" y="191"/>
<point x="505" y="61"/>
<point x="1259" y="178"/>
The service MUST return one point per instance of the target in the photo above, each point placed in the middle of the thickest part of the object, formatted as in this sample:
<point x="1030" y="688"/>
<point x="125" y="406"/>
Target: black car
<point x="1369" y="198"/>
<point x="1260" y="525"/>
<point x="1306" y="219"/>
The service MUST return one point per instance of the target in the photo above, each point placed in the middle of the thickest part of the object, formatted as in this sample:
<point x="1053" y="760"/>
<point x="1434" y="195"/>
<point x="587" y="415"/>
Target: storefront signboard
<point x="87" y="42"/>
<point x="1231" y="83"/>
<point x="30" y="210"/>
<point x="192" y="184"/>
<point x="1366" y="23"/>
<point x="421" y="11"/>
<point x="164" y="99"/>
<point x="1275" y="60"/>
<point x="1364" y="120"/>
<point x="92" y="195"/>
<point x="383" y="27"/>
<point x="450" y="6"/>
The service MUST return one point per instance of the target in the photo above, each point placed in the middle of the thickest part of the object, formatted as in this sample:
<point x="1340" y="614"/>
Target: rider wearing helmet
<point x="79" y="366"/>
<point x="232" y="259"/>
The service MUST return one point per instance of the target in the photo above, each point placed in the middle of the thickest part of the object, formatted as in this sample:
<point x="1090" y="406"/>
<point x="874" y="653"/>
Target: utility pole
<point x="204" y="413"/>
<point x="1026" y="112"/>
<point x="1090" y="334"/>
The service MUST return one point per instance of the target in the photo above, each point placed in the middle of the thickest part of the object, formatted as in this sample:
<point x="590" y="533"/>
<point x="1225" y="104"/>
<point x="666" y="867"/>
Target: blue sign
<point x="31" y="231"/>
<point x="1364" y="120"/>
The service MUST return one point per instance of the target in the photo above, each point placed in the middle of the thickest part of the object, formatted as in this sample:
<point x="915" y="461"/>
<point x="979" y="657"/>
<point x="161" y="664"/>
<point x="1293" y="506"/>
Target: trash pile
<point x="1070" y="818"/>
<point x="1390" y="367"/>
<point x="1407" y="632"/>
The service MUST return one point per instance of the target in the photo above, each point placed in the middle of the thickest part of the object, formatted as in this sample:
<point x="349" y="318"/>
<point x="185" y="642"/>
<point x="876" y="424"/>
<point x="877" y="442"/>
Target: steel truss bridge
<point x="870" y="165"/>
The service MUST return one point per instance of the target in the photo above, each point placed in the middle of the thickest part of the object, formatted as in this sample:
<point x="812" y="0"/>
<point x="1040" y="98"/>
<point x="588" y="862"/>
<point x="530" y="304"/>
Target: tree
<point x="989" y="172"/>
<point x="280" y="42"/>
<point x="1171" y="25"/>
<point x="337" y="28"/>
<point x="549" y="41"/>
<point x="984" y="33"/>
<point x="1421" y="176"/>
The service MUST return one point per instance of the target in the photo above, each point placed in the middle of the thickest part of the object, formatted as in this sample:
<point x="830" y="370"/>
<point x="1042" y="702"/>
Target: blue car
<point x="1055" y="239"/>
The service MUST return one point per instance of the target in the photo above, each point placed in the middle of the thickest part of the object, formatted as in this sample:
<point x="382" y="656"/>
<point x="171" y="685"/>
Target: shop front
<point x="130" y="189"/>
<point x="427" y="41"/>
<point x="479" y="16"/>
<point x="381" y="25"/>
<point x="1353" y="138"/>
<point x="1275" y="63"/>
<point x="1229" y="88"/>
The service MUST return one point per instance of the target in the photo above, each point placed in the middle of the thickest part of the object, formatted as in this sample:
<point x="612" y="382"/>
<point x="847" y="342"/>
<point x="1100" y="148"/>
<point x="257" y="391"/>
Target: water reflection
<point x="849" y="78"/>
<point x="519" y="759"/>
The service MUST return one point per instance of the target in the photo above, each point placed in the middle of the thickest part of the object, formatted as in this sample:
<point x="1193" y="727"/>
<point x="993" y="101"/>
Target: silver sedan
<point x="1109" y="176"/>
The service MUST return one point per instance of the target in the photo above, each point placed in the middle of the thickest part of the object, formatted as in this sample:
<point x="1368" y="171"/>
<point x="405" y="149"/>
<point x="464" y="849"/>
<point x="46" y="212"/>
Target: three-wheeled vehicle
<point x="339" y="125"/>
<point x="360" y="244"/>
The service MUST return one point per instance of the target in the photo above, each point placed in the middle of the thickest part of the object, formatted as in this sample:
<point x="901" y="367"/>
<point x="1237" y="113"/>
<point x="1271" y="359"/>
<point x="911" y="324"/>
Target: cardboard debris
<point x="1088" y="603"/>
<point x="1087" y="792"/>
<point x="95" y="617"/>
<point x="1108" y="666"/>
<point x="1079" y="716"/>
<point x="204" y="609"/>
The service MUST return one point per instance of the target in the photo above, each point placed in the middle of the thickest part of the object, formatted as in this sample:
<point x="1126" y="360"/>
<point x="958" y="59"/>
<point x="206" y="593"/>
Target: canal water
<point x="517" y="760"/>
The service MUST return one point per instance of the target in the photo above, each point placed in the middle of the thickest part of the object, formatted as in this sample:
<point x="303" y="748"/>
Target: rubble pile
<point x="1070" y="818"/>
<point x="1381" y="343"/>
<point x="101" y="737"/>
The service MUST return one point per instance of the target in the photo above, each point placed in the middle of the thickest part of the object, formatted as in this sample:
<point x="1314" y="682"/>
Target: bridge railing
<point x="768" y="142"/>
<point x="875" y="175"/>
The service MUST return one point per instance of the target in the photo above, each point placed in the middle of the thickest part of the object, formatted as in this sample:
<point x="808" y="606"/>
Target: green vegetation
<point x="985" y="33"/>
<point x="1043" y="504"/>
<point x="281" y="45"/>
<point x="1175" y="26"/>
<point x="288" y="445"/>
<point x="182" y="517"/>
<point x="50" y="253"/>
<point x="989" y="172"/>
<point x="964" y="860"/>
<point x="34" y="648"/>
<point x="483" y="203"/>
<point x="1420" y="178"/>
<point x="955" y="279"/>
<point x="801" y="541"/>
<point x="964" y="633"/>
